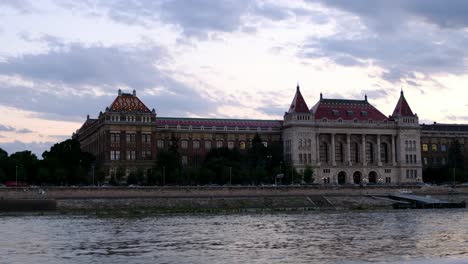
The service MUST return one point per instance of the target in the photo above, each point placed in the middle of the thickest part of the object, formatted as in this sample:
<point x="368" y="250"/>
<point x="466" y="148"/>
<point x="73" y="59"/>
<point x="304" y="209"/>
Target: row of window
<point x="434" y="147"/>
<point x="355" y="152"/>
<point x="131" y="155"/>
<point x="435" y="161"/>
<point x="411" y="159"/>
<point x="130" y="138"/>
<point x="411" y="174"/>
<point x="196" y="144"/>
<point x="305" y="158"/>
<point x="305" y="143"/>
<point x="410" y="144"/>
<point x="116" y="118"/>
<point x="303" y="117"/>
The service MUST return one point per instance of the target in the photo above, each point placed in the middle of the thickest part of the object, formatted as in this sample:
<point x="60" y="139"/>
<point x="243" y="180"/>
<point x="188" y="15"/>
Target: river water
<point x="407" y="236"/>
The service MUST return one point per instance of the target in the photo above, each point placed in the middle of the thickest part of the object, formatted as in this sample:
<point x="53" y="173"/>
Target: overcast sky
<point x="63" y="59"/>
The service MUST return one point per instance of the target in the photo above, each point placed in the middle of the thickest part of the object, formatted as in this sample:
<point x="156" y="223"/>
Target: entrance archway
<point x="372" y="177"/>
<point x="342" y="178"/>
<point x="357" y="177"/>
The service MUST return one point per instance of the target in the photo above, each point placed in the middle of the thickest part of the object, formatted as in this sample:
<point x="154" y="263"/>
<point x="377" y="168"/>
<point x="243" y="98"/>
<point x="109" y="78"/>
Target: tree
<point x="455" y="160"/>
<point x="308" y="174"/>
<point x="73" y="164"/>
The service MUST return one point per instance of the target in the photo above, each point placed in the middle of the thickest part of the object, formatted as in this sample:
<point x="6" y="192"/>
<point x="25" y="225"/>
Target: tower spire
<point x="402" y="108"/>
<point x="298" y="105"/>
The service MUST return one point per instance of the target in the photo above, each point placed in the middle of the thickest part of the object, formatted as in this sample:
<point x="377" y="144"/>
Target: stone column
<point x="379" y="162"/>
<point x="348" y="149"/>
<point x="363" y="150"/>
<point x="332" y="152"/>
<point x="392" y="151"/>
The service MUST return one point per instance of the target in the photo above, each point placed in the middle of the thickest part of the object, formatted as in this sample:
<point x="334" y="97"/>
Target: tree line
<point x="64" y="164"/>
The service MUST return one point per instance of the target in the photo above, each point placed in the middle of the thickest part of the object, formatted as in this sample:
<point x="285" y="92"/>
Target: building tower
<point x="407" y="141"/>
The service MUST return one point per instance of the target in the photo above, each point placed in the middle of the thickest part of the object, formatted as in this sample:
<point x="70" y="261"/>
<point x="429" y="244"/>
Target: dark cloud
<point x="388" y="15"/>
<point x="24" y="131"/>
<point x="395" y="39"/>
<point x="23" y="6"/>
<point x="195" y="18"/>
<point x="66" y="77"/>
<point x="6" y="128"/>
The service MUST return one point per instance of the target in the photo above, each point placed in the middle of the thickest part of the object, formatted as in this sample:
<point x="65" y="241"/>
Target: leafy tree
<point x="308" y="174"/>
<point x="455" y="161"/>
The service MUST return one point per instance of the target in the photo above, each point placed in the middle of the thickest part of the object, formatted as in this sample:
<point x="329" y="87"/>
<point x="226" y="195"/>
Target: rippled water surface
<point x="416" y="236"/>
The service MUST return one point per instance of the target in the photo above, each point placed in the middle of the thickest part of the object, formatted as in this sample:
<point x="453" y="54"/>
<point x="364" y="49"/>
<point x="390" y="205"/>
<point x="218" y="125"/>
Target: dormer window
<point x="340" y="120"/>
<point x="350" y="113"/>
<point x="324" y="120"/>
<point x="335" y="112"/>
<point x="363" y="113"/>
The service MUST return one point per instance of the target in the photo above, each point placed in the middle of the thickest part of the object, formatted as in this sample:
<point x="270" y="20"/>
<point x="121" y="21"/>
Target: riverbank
<point x="109" y="200"/>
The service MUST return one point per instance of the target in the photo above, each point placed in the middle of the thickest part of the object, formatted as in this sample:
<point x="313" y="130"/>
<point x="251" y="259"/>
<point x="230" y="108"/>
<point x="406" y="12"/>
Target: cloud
<point x="24" y="131"/>
<point x="391" y="14"/>
<point x="22" y="6"/>
<point x="6" y="128"/>
<point x="398" y="36"/>
<point x="73" y="80"/>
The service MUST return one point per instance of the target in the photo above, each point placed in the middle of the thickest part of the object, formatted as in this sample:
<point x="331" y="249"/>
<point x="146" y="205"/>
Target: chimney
<point x="120" y="92"/>
<point x="134" y="92"/>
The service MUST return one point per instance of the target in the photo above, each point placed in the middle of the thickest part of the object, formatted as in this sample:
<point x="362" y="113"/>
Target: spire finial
<point x="401" y="91"/>
<point x="365" y="97"/>
<point x="119" y="92"/>
<point x="297" y="87"/>
<point x="134" y="92"/>
<point x="321" y="96"/>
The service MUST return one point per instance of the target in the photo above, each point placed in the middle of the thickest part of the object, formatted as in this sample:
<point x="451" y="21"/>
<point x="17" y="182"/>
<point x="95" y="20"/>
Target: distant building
<point x="436" y="140"/>
<point x="344" y="141"/>
<point x="128" y="135"/>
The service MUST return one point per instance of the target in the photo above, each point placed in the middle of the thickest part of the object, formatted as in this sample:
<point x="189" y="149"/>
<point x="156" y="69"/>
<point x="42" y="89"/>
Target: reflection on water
<point x="419" y="236"/>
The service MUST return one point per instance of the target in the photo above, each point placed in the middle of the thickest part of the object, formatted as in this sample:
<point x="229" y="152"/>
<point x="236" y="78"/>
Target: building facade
<point x="436" y="140"/>
<point x="343" y="141"/>
<point x="350" y="141"/>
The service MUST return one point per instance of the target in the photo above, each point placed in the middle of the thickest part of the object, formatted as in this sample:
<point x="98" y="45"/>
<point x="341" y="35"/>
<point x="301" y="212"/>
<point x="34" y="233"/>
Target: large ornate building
<point x="344" y="141"/>
<point x="350" y="141"/>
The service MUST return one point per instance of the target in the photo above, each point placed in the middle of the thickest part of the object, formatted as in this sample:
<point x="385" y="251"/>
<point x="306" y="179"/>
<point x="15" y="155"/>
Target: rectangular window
<point x="146" y="154"/>
<point x="388" y="180"/>
<point x="300" y="157"/>
<point x="115" y="137"/>
<point x="425" y="147"/>
<point x="160" y="144"/>
<point x="434" y="147"/>
<point x="443" y="147"/>
<point x="184" y="160"/>
<point x="131" y="138"/>
<point x="414" y="159"/>
<point x="131" y="155"/>
<point x="425" y="160"/>
<point x="407" y="158"/>
<point x="146" y="138"/>
<point x="184" y="144"/>
<point x="115" y="155"/>
<point x="196" y="144"/>
<point x="219" y="144"/>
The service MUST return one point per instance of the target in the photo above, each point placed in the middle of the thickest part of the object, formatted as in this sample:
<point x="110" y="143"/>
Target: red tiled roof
<point x="128" y="103"/>
<point x="207" y="122"/>
<point x="402" y="108"/>
<point x="298" y="104"/>
<point x="87" y="123"/>
<point x="334" y="109"/>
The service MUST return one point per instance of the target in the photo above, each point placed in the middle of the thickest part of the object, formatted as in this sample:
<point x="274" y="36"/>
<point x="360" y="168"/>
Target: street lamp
<point x="16" y="173"/>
